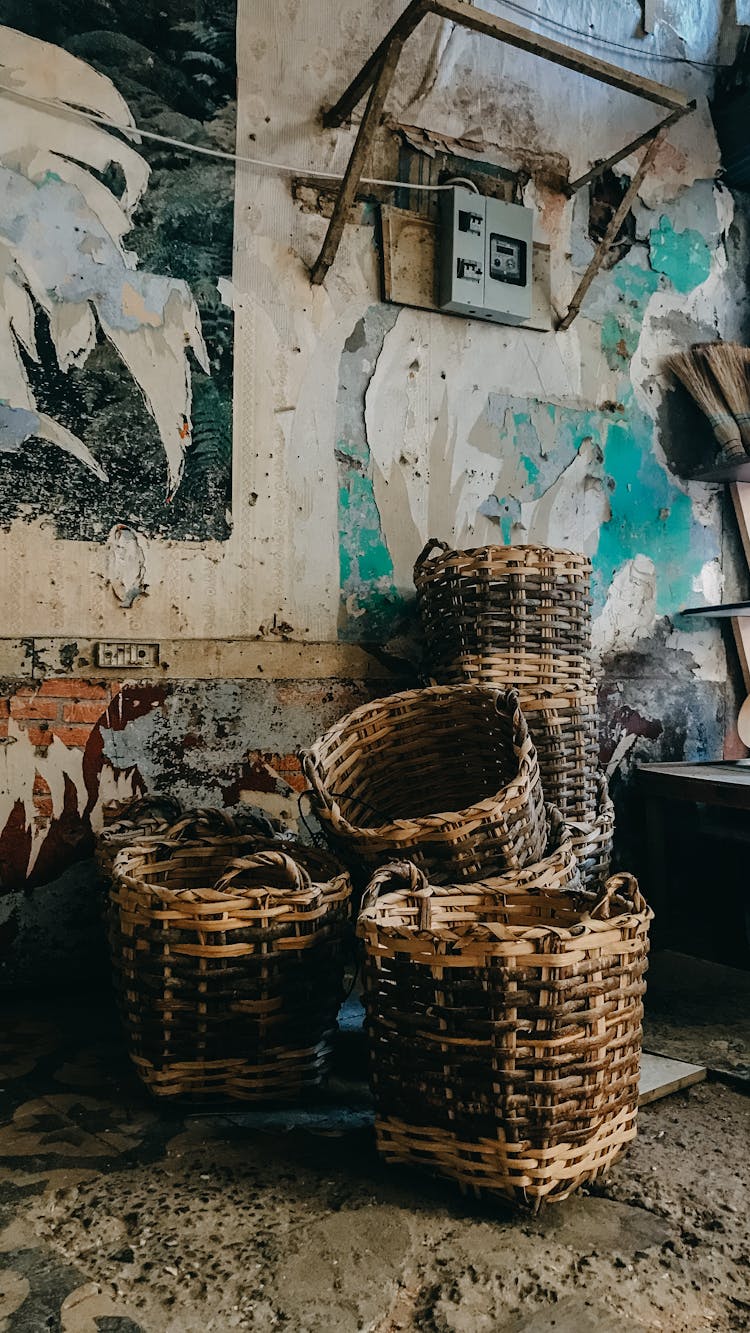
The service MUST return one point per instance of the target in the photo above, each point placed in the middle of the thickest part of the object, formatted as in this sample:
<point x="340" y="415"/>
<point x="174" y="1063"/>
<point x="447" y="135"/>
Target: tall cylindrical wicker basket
<point x="505" y="615"/>
<point x="520" y="616"/>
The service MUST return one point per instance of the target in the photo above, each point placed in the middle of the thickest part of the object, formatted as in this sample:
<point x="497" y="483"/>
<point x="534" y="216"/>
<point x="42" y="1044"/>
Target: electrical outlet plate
<point x="123" y="653"/>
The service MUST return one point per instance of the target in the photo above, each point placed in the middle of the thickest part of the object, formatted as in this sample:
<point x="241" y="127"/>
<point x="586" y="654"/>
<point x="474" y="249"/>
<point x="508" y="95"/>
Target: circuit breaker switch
<point x="469" y="221"/>
<point x="470" y="270"/>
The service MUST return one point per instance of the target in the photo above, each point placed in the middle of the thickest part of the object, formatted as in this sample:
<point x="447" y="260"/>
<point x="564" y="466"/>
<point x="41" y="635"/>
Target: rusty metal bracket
<point x="377" y="75"/>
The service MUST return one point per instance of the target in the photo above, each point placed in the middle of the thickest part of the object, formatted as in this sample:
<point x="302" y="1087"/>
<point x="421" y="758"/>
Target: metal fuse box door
<point x="508" y="256"/>
<point x="462" y="247"/>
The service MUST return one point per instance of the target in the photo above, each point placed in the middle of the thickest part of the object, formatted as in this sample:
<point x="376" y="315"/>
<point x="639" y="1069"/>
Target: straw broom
<point x="702" y="387"/>
<point x="729" y="364"/>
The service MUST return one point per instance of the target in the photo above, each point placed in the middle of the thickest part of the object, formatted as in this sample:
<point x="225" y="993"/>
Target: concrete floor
<point x="120" y="1216"/>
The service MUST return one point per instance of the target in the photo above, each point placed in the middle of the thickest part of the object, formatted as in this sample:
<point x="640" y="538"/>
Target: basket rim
<point x="329" y="805"/>
<point x="130" y="859"/>
<point x="494" y="937"/>
<point x="522" y="552"/>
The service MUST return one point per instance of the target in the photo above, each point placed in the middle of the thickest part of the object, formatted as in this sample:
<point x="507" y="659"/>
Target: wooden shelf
<point x="723" y="611"/>
<point x="739" y="471"/>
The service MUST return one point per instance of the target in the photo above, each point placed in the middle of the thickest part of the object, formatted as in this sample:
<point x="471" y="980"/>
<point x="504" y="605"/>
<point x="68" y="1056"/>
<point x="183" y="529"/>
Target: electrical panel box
<point x="485" y="257"/>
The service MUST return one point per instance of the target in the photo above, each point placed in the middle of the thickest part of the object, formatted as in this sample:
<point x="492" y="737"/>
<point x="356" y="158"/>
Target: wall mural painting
<point x="116" y="334"/>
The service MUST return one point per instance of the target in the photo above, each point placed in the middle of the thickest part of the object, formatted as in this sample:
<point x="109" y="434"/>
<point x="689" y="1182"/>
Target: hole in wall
<point x="605" y="196"/>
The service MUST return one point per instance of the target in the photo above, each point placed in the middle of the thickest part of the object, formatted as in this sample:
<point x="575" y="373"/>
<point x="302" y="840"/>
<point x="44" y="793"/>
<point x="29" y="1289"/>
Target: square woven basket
<point x="228" y="956"/>
<point x="504" y="1022"/>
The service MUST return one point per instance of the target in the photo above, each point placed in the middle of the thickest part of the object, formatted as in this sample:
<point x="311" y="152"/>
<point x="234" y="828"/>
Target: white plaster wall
<point x="282" y="560"/>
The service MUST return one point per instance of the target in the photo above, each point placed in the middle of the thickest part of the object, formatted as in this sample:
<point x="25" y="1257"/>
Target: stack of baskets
<point x="228" y="950"/>
<point x="521" y="616"/>
<point x="504" y="970"/>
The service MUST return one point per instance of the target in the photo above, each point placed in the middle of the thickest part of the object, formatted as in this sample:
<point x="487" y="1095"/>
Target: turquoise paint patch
<point x="532" y="468"/>
<point x="363" y="555"/>
<point x="649" y="516"/>
<point x="619" y="340"/>
<point x="621" y="326"/>
<point x="683" y="256"/>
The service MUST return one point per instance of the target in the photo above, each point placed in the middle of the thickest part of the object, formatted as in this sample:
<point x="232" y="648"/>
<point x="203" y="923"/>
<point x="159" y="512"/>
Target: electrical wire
<point x="608" y="41"/>
<point x="219" y="153"/>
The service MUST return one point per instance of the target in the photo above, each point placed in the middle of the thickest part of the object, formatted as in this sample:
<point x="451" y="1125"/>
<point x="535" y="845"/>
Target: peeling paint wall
<point x="361" y="428"/>
<point x="115" y="346"/>
<point x="67" y="747"/>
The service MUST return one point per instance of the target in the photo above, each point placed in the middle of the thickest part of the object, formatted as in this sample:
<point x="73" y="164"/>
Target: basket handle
<point x="623" y="883"/>
<point x="508" y="701"/>
<point x="257" y="823"/>
<point x="298" y="876"/>
<point x="155" y="803"/>
<point x="208" y="819"/>
<point x="426" y="552"/>
<point x="400" y="875"/>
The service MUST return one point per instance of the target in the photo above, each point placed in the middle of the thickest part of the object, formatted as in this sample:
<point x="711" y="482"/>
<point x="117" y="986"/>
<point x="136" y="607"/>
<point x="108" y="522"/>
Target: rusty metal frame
<point x="377" y="75"/>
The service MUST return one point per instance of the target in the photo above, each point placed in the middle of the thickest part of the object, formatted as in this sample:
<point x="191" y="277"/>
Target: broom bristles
<point x="729" y="364"/>
<point x="702" y="387"/>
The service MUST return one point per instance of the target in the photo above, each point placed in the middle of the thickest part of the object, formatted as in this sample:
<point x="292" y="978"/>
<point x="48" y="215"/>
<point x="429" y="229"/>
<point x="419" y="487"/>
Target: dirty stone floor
<point x="123" y="1217"/>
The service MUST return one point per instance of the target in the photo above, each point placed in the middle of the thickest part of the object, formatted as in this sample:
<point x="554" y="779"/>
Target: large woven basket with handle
<point x="504" y="1023"/>
<point x="228" y="960"/>
<point x="447" y="776"/>
<point x="505" y="615"/>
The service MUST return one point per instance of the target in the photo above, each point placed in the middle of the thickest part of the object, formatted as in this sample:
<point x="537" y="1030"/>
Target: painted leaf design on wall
<point x="62" y="252"/>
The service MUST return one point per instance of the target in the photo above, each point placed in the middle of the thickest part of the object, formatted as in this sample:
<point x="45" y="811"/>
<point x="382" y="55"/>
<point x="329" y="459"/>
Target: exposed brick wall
<point x="68" y="709"/>
<point x="41" y="712"/>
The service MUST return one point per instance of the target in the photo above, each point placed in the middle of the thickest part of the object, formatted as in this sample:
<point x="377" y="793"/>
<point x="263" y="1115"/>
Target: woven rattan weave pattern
<point x="159" y="815"/>
<point x="504" y="1024"/>
<point x="127" y="821"/>
<point x="593" y="839"/>
<point x="228" y="958"/>
<point x="564" y="726"/>
<point x="505" y="615"/>
<point x="446" y="775"/>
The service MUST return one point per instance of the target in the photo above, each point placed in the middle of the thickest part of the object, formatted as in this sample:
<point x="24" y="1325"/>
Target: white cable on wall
<point x="280" y="167"/>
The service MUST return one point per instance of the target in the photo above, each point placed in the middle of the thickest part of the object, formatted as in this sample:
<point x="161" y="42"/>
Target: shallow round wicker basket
<point x="593" y="838"/>
<point x="504" y="1023"/>
<point x="447" y="775"/>
<point x="228" y="961"/>
<point x="505" y="615"/>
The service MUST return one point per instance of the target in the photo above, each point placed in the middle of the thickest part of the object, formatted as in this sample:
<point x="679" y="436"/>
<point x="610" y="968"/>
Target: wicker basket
<point x="228" y="959"/>
<point x="505" y="615"/>
<point x="126" y="822"/>
<point x="563" y="722"/>
<point x="504" y="1022"/>
<point x="593" y="839"/>
<point x="446" y="775"/>
<point x="162" y="816"/>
